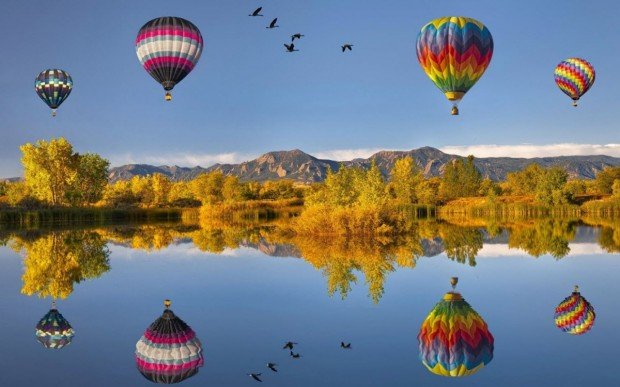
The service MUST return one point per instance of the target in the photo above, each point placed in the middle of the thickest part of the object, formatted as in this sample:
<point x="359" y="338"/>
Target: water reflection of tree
<point x="461" y="243"/>
<point x="543" y="236"/>
<point x="609" y="237"/>
<point x="338" y="258"/>
<point x="56" y="261"/>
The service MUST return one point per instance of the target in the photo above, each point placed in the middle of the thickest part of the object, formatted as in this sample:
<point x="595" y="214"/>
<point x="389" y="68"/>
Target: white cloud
<point x="346" y="154"/>
<point x="181" y="159"/>
<point x="531" y="150"/>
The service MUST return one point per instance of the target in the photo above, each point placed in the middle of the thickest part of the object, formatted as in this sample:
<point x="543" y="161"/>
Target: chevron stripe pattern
<point x="454" y="52"/>
<point x="575" y="315"/>
<point x="53" y="331"/>
<point x="574" y="76"/>
<point x="169" y="350"/>
<point x="169" y="48"/>
<point x="53" y="86"/>
<point x="454" y="340"/>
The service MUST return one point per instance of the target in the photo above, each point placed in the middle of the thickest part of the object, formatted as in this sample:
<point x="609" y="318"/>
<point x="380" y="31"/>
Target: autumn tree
<point x="405" y="181"/>
<point x="57" y="175"/>
<point x="371" y="187"/>
<point x="207" y="187"/>
<point x="161" y="189"/>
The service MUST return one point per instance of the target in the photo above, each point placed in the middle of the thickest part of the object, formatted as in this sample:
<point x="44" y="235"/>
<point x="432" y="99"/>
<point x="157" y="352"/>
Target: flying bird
<point x="295" y="355"/>
<point x="272" y="366"/>
<point x="273" y="24"/>
<point x="296" y="36"/>
<point x="345" y="346"/>
<point x="290" y="47"/>
<point x="289" y="345"/>
<point x="347" y="46"/>
<point x="256" y="12"/>
<point x="256" y="377"/>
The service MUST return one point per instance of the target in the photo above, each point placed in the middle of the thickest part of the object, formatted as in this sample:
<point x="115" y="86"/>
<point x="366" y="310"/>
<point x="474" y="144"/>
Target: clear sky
<point x="247" y="96"/>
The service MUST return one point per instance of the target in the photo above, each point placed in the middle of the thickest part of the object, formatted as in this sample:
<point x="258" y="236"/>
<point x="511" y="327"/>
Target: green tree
<point x="605" y="179"/>
<point x="550" y="187"/>
<point x="461" y="178"/>
<point x="91" y="179"/>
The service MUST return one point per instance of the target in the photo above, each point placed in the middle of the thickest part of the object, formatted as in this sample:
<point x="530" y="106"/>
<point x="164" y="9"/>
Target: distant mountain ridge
<point x="302" y="167"/>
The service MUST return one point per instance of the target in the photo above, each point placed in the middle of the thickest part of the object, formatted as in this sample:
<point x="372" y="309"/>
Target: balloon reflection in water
<point x="169" y="351"/>
<point x="575" y="315"/>
<point x="53" y="331"/>
<point x="454" y="340"/>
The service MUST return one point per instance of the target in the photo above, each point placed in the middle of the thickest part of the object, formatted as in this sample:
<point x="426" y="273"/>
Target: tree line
<point x="56" y="175"/>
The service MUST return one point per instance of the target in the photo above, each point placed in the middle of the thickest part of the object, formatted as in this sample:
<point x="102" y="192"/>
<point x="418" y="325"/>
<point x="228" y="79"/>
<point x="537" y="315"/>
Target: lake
<point x="246" y="289"/>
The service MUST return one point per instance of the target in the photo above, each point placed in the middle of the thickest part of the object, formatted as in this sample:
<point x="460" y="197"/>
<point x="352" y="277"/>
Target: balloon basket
<point x="168" y="97"/>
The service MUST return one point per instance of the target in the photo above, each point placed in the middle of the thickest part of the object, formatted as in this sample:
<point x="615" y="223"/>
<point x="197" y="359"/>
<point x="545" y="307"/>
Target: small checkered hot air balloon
<point x="168" y="48"/>
<point x="454" y="340"/>
<point x="454" y="52"/>
<point x="575" y="315"/>
<point x="574" y="76"/>
<point x="169" y="351"/>
<point x="53" y="86"/>
<point x="53" y="331"/>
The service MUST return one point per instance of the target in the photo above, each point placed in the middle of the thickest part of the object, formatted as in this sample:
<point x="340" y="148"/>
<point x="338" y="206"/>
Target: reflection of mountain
<point x="272" y="249"/>
<point x="432" y="247"/>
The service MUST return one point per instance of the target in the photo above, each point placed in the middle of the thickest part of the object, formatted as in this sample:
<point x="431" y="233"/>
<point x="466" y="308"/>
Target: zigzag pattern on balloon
<point x="454" y="52"/>
<point x="574" y="76"/>
<point x="454" y="340"/>
<point x="574" y="315"/>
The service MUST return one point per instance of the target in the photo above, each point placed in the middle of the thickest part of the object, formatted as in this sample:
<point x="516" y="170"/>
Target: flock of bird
<point x="291" y="47"/>
<point x="289" y="345"/>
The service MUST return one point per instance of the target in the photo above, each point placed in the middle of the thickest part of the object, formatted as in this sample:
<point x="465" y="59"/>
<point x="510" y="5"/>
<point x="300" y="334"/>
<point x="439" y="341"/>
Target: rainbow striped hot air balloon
<point x="169" y="48"/>
<point x="575" y="315"/>
<point x="169" y="351"/>
<point x="454" y="340"/>
<point x="454" y="52"/>
<point x="53" y="331"/>
<point x="53" y="86"/>
<point x="574" y="76"/>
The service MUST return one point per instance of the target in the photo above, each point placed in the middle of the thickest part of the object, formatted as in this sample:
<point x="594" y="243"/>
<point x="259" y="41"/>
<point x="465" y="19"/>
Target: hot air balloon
<point x="53" y="86"/>
<point x="575" y="315"/>
<point x="168" y="49"/>
<point x="454" y="52"/>
<point x="53" y="331"/>
<point x="574" y="76"/>
<point x="169" y="351"/>
<point x="454" y="340"/>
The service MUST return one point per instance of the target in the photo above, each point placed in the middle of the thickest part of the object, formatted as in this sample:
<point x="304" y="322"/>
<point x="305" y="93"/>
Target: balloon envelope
<point x="169" y="48"/>
<point x="454" y="52"/>
<point x="454" y="340"/>
<point x="53" y="86"/>
<point x="169" y="351"/>
<point x="575" y="315"/>
<point x="53" y="331"/>
<point x="574" y="76"/>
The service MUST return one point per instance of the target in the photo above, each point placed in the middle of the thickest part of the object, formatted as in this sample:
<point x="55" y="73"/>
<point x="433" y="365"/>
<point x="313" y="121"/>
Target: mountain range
<point x="302" y="167"/>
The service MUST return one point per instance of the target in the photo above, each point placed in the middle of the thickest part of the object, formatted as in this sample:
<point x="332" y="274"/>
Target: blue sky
<point x="247" y="96"/>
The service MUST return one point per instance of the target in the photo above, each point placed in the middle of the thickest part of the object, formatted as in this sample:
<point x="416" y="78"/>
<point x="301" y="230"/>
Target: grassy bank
<point x="67" y="216"/>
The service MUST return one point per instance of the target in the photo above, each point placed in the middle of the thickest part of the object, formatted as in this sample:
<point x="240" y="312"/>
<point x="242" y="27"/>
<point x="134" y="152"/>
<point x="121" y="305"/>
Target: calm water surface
<point x="245" y="291"/>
